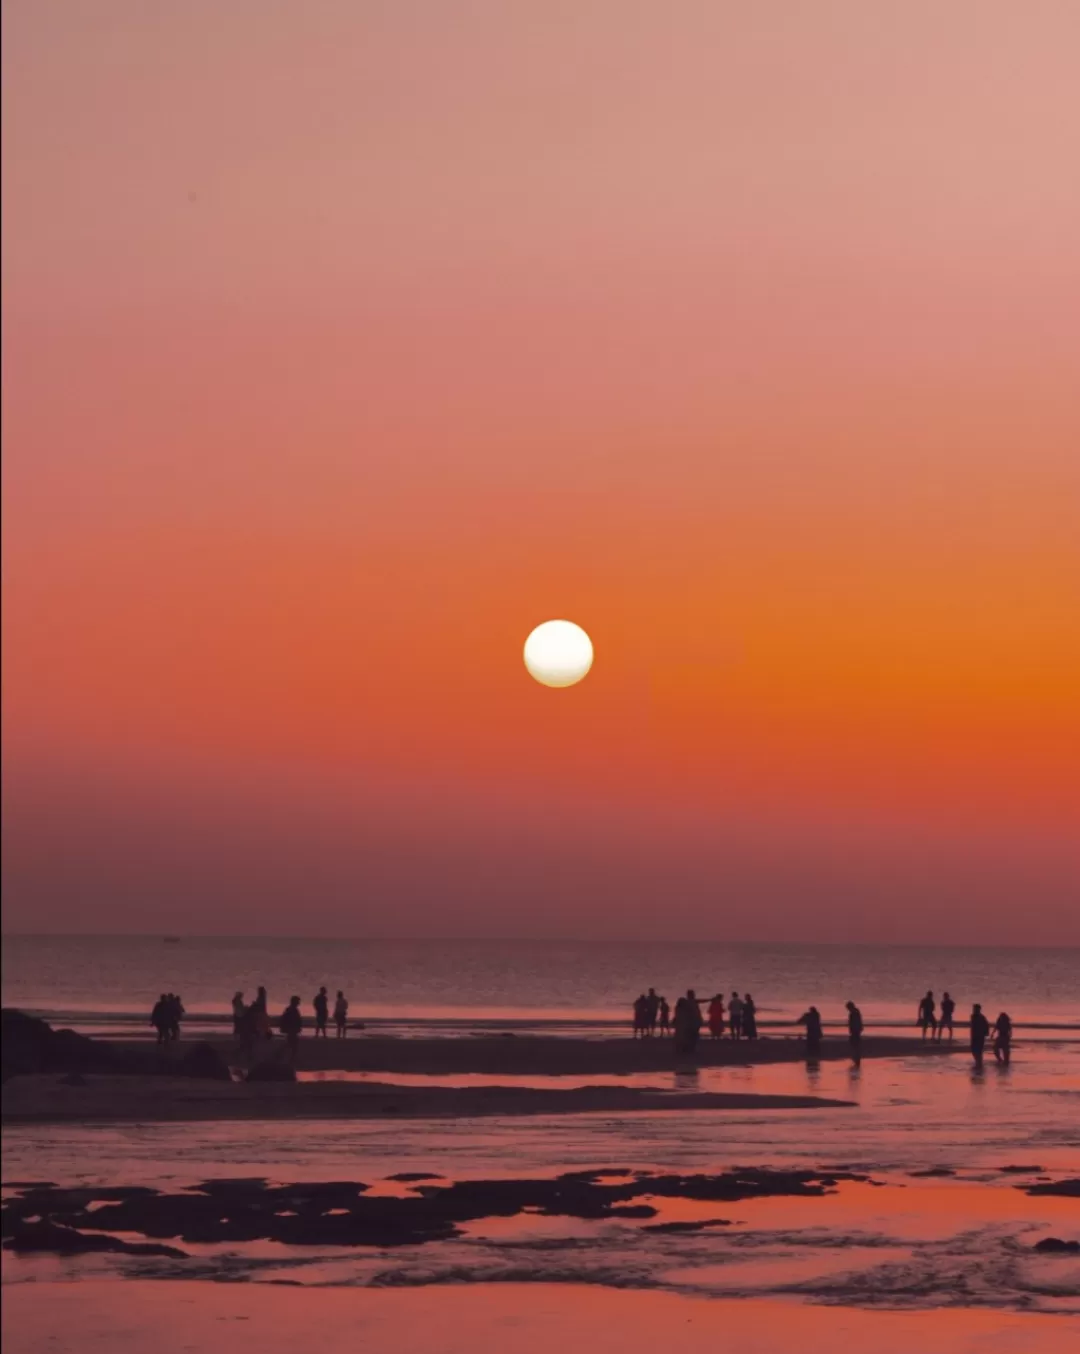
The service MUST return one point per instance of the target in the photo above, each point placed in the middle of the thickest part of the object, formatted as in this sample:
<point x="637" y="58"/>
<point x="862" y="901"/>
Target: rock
<point x="31" y="1237"/>
<point x="1065" y="1189"/>
<point x="203" y="1061"/>
<point x="73" y="1079"/>
<point x="932" y="1173"/>
<point x="1054" y="1245"/>
<point x="232" y="1184"/>
<point x="406" y="1177"/>
<point x="31" y="1045"/>
<point x="272" y="1071"/>
<point x="676" y="1227"/>
<point x="1020" y="1170"/>
<point x="344" y="1213"/>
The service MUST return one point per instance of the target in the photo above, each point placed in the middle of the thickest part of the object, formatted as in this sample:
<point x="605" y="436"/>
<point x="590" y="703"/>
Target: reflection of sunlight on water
<point x="494" y="1317"/>
<point x="655" y="1081"/>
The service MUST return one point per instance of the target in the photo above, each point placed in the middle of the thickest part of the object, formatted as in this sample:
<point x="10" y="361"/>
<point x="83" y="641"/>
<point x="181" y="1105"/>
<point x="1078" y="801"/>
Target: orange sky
<point x="344" y="343"/>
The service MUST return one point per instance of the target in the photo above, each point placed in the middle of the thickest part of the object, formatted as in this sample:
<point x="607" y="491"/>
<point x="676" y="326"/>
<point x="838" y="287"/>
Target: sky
<point x="346" y="341"/>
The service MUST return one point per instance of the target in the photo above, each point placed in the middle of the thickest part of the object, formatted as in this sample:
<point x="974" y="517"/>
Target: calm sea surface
<point x="431" y="985"/>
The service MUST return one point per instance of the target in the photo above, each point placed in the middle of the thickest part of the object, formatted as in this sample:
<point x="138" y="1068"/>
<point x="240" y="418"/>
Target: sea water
<point x="432" y="986"/>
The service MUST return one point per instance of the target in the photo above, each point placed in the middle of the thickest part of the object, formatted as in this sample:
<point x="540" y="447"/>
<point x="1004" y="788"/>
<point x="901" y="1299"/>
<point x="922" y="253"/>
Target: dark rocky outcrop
<point x="203" y="1061"/>
<point x="1052" y="1245"/>
<point x="29" y="1045"/>
<point x="1066" y="1189"/>
<point x="32" y="1046"/>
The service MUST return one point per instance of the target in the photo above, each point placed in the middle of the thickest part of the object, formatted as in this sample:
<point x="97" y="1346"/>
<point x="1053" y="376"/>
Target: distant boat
<point x="171" y="940"/>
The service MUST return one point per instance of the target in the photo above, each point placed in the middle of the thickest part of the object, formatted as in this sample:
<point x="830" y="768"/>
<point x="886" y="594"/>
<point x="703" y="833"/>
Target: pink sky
<point x="345" y="342"/>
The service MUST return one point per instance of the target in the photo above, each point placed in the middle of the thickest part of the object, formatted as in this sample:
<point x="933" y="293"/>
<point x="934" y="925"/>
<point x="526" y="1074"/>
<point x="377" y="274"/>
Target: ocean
<point x="431" y="986"/>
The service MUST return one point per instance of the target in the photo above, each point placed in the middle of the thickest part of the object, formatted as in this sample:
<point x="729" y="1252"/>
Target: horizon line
<point x="180" y="936"/>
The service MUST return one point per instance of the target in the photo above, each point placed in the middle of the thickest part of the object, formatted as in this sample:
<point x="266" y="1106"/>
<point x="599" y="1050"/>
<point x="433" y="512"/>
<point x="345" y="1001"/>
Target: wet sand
<point x="46" y="1098"/>
<point x="174" y="1316"/>
<point x="540" y="1055"/>
<point x="146" y="1091"/>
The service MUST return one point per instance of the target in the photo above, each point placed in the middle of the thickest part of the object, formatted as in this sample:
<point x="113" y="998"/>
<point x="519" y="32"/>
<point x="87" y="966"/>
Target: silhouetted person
<point x="641" y="1016"/>
<point x="735" y="1013"/>
<point x="292" y="1022"/>
<point x="1002" y="1039"/>
<point x="259" y="1017"/>
<point x="749" y="1017"/>
<point x="948" y="1006"/>
<point x="687" y="1022"/>
<point x="159" y="1018"/>
<point x="652" y="1009"/>
<point x="925" y="1018"/>
<point x="854" y="1031"/>
<point x="665" y="1017"/>
<point x="812" y="1021"/>
<point x="321" y="1005"/>
<point x="341" y="1014"/>
<point x="176" y="1014"/>
<point x="980" y="1030"/>
<point x="716" y="1017"/>
<point x="239" y="1010"/>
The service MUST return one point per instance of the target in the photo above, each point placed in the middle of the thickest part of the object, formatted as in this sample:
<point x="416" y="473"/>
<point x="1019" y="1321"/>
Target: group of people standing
<point x="933" y="1026"/>
<point x="252" y="1023"/>
<point x="740" y="1019"/>
<point x="166" y="1017"/>
<point x="652" y="1016"/>
<point x="927" y="1019"/>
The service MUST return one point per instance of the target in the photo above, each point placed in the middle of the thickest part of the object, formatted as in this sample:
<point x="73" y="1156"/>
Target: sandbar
<point x="46" y="1097"/>
<point x="542" y="1055"/>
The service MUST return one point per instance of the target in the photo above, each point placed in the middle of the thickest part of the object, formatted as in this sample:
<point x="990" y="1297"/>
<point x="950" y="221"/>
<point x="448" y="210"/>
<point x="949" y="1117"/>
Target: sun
<point x="558" y="653"/>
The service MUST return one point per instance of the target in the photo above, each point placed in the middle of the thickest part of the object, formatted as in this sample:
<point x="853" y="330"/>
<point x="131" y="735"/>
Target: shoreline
<point x="531" y="1055"/>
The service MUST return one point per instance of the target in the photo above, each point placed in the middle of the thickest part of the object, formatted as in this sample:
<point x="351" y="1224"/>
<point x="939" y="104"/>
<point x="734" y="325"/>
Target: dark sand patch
<point x="43" y="1098"/>
<point x="531" y="1055"/>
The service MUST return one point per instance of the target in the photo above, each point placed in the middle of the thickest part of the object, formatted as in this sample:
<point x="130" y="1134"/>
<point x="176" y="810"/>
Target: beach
<point x="511" y="1175"/>
<point x="495" y="1317"/>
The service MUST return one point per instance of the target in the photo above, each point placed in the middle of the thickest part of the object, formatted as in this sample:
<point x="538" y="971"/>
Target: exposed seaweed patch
<point x="34" y="1237"/>
<point x="343" y="1213"/>
<point x="674" y="1228"/>
<point x="1065" y="1189"/>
